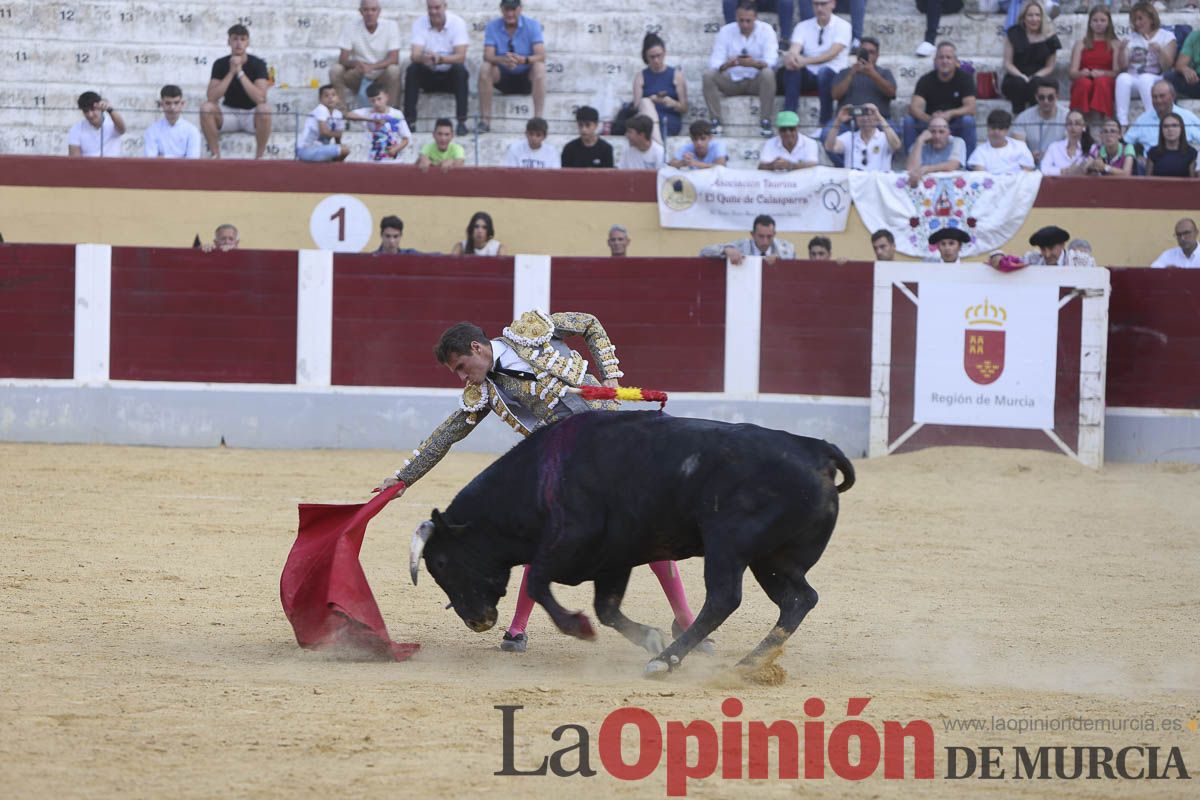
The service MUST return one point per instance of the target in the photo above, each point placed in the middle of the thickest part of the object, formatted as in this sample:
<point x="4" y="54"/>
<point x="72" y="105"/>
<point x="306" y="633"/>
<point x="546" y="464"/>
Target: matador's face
<point x="472" y="367"/>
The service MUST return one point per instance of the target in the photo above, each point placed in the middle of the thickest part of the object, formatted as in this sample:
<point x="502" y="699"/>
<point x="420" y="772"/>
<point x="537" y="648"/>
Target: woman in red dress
<point x="1093" y="67"/>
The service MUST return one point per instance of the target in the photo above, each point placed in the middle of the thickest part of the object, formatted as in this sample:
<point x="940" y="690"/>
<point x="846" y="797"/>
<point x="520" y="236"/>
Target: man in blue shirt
<point x="1144" y="129"/>
<point x="514" y="60"/>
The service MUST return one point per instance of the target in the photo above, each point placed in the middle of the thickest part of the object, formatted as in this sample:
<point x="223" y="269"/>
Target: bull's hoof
<point x="583" y="628"/>
<point x="514" y="644"/>
<point x="706" y="647"/>
<point x="655" y="641"/>
<point x="657" y="668"/>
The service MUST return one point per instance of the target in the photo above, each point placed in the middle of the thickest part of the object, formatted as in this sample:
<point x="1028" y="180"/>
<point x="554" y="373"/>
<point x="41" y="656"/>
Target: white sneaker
<point x="926" y="49"/>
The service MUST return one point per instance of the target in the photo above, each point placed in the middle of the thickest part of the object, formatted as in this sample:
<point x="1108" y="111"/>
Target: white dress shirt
<point x="442" y="43"/>
<point x="762" y="45"/>
<point x="1175" y="257"/>
<point x="815" y="42"/>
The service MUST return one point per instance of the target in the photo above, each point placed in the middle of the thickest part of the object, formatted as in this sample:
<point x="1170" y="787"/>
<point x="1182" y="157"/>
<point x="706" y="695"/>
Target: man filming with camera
<point x="861" y="84"/>
<point x="870" y="147"/>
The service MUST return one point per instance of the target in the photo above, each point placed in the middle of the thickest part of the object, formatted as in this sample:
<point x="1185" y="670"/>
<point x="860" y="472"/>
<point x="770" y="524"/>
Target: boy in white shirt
<point x="321" y="139"/>
<point x="1001" y="155"/>
<point x="533" y="152"/>
<point x="96" y="134"/>
<point x="172" y="136"/>
<point x="642" y="151"/>
<point x="389" y="131"/>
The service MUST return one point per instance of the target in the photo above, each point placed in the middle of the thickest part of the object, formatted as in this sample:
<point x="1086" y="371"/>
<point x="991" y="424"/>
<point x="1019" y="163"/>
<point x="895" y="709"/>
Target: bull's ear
<point x="441" y="521"/>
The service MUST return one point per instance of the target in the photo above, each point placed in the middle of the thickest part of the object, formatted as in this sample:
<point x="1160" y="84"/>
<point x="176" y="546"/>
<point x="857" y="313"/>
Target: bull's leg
<point x="610" y="590"/>
<point x="572" y="623"/>
<point x="723" y="594"/>
<point x="786" y="586"/>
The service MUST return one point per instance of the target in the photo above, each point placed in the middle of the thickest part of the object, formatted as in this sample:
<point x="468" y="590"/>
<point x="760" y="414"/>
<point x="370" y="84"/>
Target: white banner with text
<point x="816" y="199"/>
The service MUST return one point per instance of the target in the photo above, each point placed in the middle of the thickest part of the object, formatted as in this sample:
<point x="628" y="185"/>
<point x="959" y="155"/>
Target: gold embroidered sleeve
<point x="434" y="448"/>
<point x="604" y="352"/>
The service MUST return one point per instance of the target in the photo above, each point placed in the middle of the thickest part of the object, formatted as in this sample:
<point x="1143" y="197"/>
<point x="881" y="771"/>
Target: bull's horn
<point x="420" y="537"/>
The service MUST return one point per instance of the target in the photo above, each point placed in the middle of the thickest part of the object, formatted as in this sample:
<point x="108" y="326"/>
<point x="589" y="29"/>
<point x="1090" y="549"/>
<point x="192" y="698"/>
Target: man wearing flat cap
<point x="949" y="242"/>
<point x="1050" y="242"/>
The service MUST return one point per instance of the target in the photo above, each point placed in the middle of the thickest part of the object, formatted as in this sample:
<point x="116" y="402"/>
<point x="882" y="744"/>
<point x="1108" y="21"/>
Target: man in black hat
<point x="949" y="242"/>
<point x="1050" y="242"/>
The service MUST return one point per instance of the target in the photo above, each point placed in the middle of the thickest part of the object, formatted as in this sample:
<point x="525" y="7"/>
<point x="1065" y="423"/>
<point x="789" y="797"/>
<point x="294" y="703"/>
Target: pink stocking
<point x="524" y="606"/>
<point x="668" y="575"/>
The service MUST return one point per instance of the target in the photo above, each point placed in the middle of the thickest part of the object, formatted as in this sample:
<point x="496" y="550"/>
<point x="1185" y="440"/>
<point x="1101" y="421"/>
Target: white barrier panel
<point x="93" y="311"/>
<point x="314" y="318"/>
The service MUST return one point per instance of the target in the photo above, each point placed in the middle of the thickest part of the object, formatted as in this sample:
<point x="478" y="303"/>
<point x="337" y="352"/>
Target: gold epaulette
<point x="533" y="328"/>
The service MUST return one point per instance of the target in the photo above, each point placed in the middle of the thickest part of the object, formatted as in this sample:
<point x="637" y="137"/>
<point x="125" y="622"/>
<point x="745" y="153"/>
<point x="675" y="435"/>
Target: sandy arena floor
<point x="144" y="652"/>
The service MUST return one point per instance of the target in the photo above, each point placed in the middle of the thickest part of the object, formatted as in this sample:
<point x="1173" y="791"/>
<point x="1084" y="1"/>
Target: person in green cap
<point x="788" y="150"/>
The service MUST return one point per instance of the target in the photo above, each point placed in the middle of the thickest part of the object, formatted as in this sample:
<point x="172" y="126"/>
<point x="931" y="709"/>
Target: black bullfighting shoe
<point x="707" y="647"/>
<point x="514" y="644"/>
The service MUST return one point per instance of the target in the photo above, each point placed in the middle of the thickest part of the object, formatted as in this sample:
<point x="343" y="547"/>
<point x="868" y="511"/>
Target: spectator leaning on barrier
<point x="321" y="138"/>
<point x="391" y="229"/>
<point x="949" y="92"/>
<point x="1051" y="242"/>
<point x="618" y="241"/>
<point x="1184" y="77"/>
<point x="1079" y="254"/>
<point x="1144" y="130"/>
<point x="389" y="132"/>
<point x="443" y="152"/>
<point x="1186" y="255"/>
<point x="869" y="148"/>
<point x="481" y="238"/>
<point x="788" y="150"/>
<point x="172" y="136"/>
<point x="368" y="52"/>
<point x="1000" y="154"/>
<point x="533" y="152"/>
<point x="820" y="248"/>
<point x="742" y="62"/>
<point x="884" y="245"/>
<point x="641" y="152"/>
<point x="239" y="82"/>
<point x="762" y="242"/>
<point x="225" y="238"/>
<point x="588" y="151"/>
<point x="99" y="132"/>
<point x="439" y="61"/>
<point x="1043" y="123"/>
<point x="817" y="55"/>
<point x="935" y="151"/>
<point x="514" y="60"/>
<point x="701" y="151"/>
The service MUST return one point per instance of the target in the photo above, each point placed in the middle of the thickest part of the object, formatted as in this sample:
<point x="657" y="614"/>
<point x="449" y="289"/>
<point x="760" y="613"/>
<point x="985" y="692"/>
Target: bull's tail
<point x="843" y="465"/>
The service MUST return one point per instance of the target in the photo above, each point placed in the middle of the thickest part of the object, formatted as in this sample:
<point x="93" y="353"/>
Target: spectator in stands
<point x="481" y="238"/>
<point x="762" y="242"/>
<point x="949" y="92"/>
<point x="1093" y="70"/>
<point x="869" y="148"/>
<point x="949" y="242"/>
<point x="439" y="61"/>
<point x="1041" y="124"/>
<point x="641" y="152"/>
<point x="514" y="60"/>
<point x="659" y="91"/>
<point x="239" y="82"/>
<point x="1111" y="155"/>
<point x="1184" y="77"/>
<point x="1186" y="254"/>
<point x="588" y="150"/>
<point x="933" y="19"/>
<point x="788" y="150"/>
<point x="1172" y="157"/>
<point x="820" y="248"/>
<point x="865" y="82"/>
<point x="389" y="132"/>
<point x="1145" y="53"/>
<point x="815" y="58"/>
<point x="391" y="228"/>
<point x="172" y="136"/>
<point x="884" y="245"/>
<point x="1030" y="51"/>
<point x="858" y="11"/>
<point x="1069" y="156"/>
<point x="533" y="152"/>
<point x="618" y="241"/>
<point x="1001" y="154"/>
<point x="321" y="139"/>
<point x="1050" y="242"/>
<point x="225" y="238"/>
<point x="443" y="152"/>
<point x="99" y="132"/>
<point x="1144" y="130"/>
<point x="786" y="9"/>
<point x="935" y="151"/>
<point x="742" y="61"/>
<point x="368" y="52"/>
<point x="701" y="151"/>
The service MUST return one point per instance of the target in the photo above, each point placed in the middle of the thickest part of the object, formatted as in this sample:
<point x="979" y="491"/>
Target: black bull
<point x="592" y="496"/>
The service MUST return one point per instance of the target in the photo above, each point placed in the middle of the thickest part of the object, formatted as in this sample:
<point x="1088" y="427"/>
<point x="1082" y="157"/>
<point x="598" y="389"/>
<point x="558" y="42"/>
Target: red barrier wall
<point x="388" y="312"/>
<point x="37" y="311"/>
<point x="816" y="328"/>
<point x="184" y="315"/>
<point x="666" y="316"/>
<point x="1154" y="338"/>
